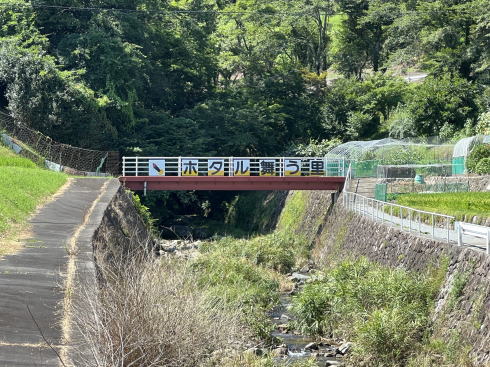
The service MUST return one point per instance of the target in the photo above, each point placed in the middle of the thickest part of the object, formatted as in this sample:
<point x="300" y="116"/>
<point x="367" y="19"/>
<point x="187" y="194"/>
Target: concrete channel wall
<point x="463" y="305"/>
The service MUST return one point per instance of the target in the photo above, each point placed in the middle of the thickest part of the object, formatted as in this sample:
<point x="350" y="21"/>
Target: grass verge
<point x="23" y="186"/>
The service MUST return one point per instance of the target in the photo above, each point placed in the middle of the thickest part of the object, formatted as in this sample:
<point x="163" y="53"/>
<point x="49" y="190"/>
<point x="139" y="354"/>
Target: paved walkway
<point x="415" y="227"/>
<point x="33" y="278"/>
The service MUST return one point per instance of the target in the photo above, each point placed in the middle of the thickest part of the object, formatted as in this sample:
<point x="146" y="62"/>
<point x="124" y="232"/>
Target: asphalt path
<point x="31" y="281"/>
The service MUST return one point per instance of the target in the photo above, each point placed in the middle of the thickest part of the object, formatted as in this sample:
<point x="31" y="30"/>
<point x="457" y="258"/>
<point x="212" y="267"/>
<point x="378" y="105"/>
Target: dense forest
<point x="243" y="77"/>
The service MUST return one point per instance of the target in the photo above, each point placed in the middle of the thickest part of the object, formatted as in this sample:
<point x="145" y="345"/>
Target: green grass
<point x="293" y="212"/>
<point x="23" y="186"/>
<point x="10" y="159"/>
<point x="457" y="204"/>
<point x="249" y="274"/>
<point x="385" y="312"/>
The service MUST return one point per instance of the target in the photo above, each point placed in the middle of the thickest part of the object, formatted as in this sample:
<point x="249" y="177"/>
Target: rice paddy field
<point x="457" y="204"/>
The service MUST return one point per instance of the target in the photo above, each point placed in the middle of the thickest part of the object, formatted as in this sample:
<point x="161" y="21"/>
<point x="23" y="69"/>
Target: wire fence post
<point x="447" y="227"/>
<point x="410" y="220"/>
<point x="420" y="220"/>
<point x="488" y="241"/>
<point x="433" y="225"/>
<point x="401" y="218"/>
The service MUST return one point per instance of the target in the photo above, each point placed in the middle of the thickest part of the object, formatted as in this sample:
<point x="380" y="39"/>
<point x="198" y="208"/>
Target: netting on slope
<point x="393" y="152"/>
<point x="44" y="150"/>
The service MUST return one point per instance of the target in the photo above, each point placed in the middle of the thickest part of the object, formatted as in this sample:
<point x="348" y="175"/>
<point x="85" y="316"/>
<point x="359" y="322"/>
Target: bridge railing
<point x="233" y="166"/>
<point x="437" y="226"/>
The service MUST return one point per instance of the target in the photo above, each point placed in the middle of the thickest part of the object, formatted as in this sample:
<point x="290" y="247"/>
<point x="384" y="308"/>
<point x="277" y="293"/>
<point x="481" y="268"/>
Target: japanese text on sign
<point x="216" y="167"/>
<point x="189" y="167"/>
<point x="241" y="167"/>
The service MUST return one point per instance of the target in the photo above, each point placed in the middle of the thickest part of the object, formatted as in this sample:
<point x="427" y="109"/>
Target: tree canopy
<point x="238" y="77"/>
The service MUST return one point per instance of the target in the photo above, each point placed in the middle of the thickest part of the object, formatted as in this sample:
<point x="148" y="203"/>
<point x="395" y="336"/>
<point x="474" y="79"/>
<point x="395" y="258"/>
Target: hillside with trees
<point x="239" y="77"/>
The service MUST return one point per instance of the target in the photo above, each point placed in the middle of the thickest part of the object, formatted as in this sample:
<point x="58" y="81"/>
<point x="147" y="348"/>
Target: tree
<point x="439" y="103"/>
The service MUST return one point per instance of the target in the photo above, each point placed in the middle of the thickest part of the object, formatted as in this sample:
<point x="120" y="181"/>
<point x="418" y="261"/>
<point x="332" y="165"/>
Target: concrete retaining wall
<point x="463" y="305"/>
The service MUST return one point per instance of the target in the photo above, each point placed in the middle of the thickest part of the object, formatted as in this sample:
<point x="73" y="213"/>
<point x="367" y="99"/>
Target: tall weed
<point x="384" y="311"/>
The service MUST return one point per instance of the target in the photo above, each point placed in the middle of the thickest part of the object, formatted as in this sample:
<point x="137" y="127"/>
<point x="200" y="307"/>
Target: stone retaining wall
<point x="122" y="233"/>
<point x="463" y="305"/>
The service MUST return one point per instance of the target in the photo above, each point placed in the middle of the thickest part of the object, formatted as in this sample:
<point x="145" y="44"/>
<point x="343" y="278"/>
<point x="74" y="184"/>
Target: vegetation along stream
<point x="271" y="299"/>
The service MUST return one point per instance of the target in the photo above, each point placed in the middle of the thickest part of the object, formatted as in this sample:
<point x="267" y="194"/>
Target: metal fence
<point x="437" y="226"/>
<point x="413" y="170"/>
<point x="474" y="230"/>
<point x="44" y="150"/>
<point x="233" y="166"/>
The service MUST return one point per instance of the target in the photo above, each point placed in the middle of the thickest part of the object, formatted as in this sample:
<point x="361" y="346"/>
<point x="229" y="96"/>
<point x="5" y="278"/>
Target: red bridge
<point x="233" y="173"/>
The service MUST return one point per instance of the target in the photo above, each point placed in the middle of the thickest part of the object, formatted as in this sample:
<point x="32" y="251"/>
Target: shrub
<point x="389" y="335"/>
<point x="277" y="251"/>
<point x="389" y="309"/>
<point x="477" y="154"/>
<point x="483" y="166"/>
<point x="154" y="313"/>
<point x="143" y="211"/>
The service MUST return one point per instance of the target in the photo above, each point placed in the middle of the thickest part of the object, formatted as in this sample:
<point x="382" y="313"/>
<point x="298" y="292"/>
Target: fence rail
<point x="437" y="226"/>
<point x="407" y="219"/>
<point x="474" y="230"/>
<point x="233" y="166"/>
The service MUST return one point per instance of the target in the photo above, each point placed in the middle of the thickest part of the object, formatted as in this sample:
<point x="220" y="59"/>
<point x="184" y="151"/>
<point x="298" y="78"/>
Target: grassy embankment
<point x="219" y="300"/>
<point x="250" y="273"/>
<point x="385" y="312"/>
<point x="457" y="204"/>
<point x="23" y="186"/>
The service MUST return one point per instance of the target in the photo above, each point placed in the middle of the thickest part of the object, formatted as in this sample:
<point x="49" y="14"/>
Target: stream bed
<point x="295" y="347"/>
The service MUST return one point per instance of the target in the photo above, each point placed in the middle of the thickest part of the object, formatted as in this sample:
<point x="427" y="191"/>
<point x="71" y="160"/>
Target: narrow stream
<point x="295" y="347"/>
<point x="291" y="346"/>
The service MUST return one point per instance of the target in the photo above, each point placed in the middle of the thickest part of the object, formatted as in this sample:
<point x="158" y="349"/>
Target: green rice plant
<point x="457" y="204"/>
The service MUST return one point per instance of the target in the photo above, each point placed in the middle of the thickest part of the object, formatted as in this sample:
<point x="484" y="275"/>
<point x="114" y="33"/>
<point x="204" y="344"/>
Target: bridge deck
<point x="233" y="183"/>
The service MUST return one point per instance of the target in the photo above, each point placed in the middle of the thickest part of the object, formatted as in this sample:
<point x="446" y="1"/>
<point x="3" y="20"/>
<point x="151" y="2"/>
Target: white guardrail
<point x="474" y="230"/>
<point x="410" y="219"/>
<point x="438" y="226"/>
<point x="233" y="166"/>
